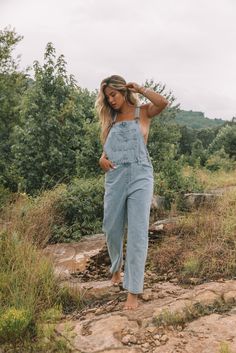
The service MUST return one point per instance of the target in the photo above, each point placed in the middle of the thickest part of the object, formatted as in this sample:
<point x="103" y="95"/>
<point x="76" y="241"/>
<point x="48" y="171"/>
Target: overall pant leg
<point x="115" y="217"/>
<point x="138" y="211"/>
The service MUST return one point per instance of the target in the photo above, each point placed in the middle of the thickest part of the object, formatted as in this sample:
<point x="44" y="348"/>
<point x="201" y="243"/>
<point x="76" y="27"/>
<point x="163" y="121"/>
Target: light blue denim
<point x="127" y="200"/>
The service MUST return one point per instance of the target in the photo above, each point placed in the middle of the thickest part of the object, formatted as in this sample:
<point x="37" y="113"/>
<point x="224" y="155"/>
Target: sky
<point x="188" y="45"/>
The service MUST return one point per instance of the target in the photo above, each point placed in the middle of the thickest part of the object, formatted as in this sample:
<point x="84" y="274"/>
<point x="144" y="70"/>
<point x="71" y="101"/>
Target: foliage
<point x="81" y="208"/>
<point x="35" y="217"/>
<point x="46" y="144"/>
<point x="225" y="138"/>
<point x="196" y="120"/>
<point x="5" y="197"/>
<point x="8" y="40"/>
<point x="189" y="313"/>
<point x="13" y="324"/>
<point x="30" y="295"/>
<point x="220" y="160"/>
<point x="91" y="149"/>
<point x="202" y="244"/>
<point x="12" y="85"/>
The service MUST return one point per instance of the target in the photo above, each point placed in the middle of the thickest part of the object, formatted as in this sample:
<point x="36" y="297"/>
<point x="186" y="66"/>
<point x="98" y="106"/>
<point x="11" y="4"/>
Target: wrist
<point x="143" y="90"/>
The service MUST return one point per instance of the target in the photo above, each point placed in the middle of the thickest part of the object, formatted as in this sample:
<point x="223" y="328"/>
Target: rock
<point x="146" y="345"/>
<point x="194" y="280"/>
<point x="230" y="297"/>
<point x="157" y="343"/>
<point x="163" y="225"/>
<point x="126" y="339"/>
<point x="157" y="337"/>
<point x="196" y="200"/>
<point x="71" y="257"/>
<point x="92" y="290"/>
<point x="147" y="296"/>
<point x="164" y="338"/>
<point x="158" y="202"/>
<point x="206" y="298"/>
<point x="96" y="339"/>
<point x="151" y="329"/>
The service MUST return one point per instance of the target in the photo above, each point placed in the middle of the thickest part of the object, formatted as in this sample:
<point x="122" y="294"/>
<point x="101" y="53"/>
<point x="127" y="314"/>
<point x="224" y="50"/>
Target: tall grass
<point x="204" y="243"/>
<point x="213" y="180"/>
<point x="33" y="217"/>
<point x="28" y="285"/>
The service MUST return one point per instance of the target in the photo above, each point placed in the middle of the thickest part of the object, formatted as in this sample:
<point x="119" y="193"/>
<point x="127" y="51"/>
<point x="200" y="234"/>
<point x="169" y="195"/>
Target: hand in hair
<point x="134" y="87"/>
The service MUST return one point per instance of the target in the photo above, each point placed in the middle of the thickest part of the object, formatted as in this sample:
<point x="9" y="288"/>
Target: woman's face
<point x="115" y="98"/>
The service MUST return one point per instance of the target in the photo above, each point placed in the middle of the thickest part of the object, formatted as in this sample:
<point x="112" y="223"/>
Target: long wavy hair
<point x="105" y="112"/>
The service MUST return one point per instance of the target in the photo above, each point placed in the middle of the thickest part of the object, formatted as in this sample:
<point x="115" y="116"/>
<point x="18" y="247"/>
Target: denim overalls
<point x="127" y="200"/>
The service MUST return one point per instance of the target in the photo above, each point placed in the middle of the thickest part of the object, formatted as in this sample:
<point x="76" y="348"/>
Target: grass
<point x="29" y="291"/>
<point x="213" y="180"/>
<point x="190" y="313"/>
<point x="224" y="348"/>
<point x="203" y="244"/>
<point x="33" y="217"/>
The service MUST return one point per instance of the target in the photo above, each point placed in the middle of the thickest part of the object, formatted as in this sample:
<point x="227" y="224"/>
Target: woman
<point x="128" y="177"/>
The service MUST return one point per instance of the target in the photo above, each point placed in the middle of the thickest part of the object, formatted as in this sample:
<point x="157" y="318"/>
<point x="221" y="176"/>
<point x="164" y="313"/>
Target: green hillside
<point x="196" y="120"/>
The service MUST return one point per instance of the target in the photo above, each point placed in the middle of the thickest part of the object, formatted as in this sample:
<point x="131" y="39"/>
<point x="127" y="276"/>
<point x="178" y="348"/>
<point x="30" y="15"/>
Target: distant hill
<point x="196" y="120"/>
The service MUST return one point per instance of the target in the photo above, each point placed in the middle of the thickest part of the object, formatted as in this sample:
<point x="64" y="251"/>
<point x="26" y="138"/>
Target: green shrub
<point x="81" y="207"/>
<point x="13" y="324"/>
<point x="220" y="161"/>
<point x="172" y="184"/>
<point x="5" y="196"/>
<point x="27" y="277"/>
<point x="191" y="266"/>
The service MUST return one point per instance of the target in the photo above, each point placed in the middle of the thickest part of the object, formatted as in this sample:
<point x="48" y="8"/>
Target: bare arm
<point x="157" y="101"/>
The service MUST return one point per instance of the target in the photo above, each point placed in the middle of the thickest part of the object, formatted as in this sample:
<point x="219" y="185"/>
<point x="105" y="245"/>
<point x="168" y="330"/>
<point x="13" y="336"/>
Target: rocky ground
<point x="170" y="318"/>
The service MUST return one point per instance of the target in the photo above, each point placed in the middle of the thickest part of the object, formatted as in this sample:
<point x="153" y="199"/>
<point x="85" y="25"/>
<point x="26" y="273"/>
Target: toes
<point x="115" y="284"/>
<point x="127" y="307"/>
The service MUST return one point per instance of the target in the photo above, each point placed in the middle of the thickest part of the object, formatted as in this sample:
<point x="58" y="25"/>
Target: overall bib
<point x="127" y="200"/>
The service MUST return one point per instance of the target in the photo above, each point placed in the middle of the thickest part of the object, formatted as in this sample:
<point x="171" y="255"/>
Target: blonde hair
<point x="105" y="112"/>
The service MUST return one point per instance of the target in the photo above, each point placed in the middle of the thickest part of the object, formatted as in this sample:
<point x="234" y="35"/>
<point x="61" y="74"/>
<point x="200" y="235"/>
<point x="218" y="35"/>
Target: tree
<point x="12" y="85"/>
<point x="225" y="138"/>
<point x="46" y="145"/>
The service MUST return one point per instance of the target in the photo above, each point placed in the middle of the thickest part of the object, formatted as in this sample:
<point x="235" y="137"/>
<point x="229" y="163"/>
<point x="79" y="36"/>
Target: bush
<point x="220" y="161"/>
<point x="13" y="324"/>
<point x="30" y="294"/>
<point x="27" y="277"/>
<point x="204" y="244"/>
<point x="172" y="183"/>
<point x="36" y="217"/>
<point x="5" y="196"/>
<point x="81" y="209"/>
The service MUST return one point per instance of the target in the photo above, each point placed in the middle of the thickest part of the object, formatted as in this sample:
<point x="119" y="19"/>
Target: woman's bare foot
<point x="131" y="302"/>
<point x="116" y="278"/>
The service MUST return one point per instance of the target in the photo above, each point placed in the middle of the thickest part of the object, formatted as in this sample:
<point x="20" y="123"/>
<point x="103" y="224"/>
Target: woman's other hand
<point x="133" y="87"/>
<point x="106" y="164"/>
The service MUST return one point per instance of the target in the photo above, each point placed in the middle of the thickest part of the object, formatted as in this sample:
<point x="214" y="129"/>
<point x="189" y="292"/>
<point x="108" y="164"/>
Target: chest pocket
<point x="124" y="140"/>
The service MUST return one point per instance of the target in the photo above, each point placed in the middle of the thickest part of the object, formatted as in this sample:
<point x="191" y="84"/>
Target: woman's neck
<point x="126" y="109"/>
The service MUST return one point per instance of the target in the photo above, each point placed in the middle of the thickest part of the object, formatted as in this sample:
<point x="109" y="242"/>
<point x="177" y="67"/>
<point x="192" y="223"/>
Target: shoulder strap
<point x="112" y="123"/>
<point x="137" y="113"/>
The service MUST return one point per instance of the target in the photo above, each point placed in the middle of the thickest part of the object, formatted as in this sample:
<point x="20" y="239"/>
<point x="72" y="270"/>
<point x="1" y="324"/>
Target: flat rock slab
<point x="72" y="257"/>
<point x="100" y="334"/>
<point x="135" y="331"/>
<point x="92" y="290"/>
